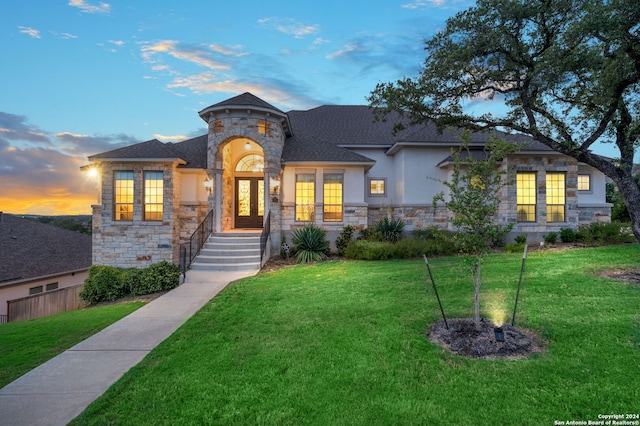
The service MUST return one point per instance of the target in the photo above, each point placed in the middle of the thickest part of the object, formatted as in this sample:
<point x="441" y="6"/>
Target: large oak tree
<point x="566" y="71"/>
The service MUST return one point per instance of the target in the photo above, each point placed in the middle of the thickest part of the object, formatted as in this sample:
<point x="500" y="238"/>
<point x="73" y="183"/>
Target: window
<point x="217" y="126"/>
<point x="584" y="182"/>
<point x="123" y="195"/>
<point x="52" y="286"/>
<point x="555" y="197"/>
<point x="250" y="163"/>
<point x="377" y="186"/>
<point x="526" y="197"/>
<point x="333" y="197"/>
<point x="153" y="195"/>
<point x="305" y="197"/>
<point x="35" y="290"/>
<point x="264" y="127"/>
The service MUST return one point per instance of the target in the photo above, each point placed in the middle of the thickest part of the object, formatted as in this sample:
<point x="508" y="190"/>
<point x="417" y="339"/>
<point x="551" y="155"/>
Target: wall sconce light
<point x="208" y="184"/>
<point x="247" y="146"/>
<point x="274" y="185"/>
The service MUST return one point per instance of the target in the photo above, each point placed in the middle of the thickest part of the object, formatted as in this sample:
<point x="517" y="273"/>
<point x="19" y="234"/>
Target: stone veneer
<point x="138" y="243"/>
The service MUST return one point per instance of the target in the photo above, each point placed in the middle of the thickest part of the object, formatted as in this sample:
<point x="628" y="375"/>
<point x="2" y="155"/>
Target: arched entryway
<point x="249" y="196"/>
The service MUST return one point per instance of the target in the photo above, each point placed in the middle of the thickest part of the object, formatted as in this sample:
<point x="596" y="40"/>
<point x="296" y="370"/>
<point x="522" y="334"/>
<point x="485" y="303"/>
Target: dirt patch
<point x="626" y="275"/>
<point x="463" y="339"/>
<point x="144" y="298"/>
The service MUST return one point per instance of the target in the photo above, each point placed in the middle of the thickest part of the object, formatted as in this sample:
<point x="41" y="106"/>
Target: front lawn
<point x="343" y="342"/>
<point x="25" y="345"/>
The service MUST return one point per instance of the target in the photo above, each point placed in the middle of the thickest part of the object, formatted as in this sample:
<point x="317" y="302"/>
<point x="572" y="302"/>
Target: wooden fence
<point x="41" y="305"/>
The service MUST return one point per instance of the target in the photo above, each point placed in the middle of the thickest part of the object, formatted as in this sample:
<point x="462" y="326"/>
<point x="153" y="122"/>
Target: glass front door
<point x="249" y="202"/>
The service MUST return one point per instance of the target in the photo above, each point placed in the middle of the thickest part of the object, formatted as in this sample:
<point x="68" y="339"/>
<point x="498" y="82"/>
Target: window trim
<point x="311" y="205"/>
<point x="145" y="213"/>
<point x="118" y="217"/>
<point x="589" y="181"/>
<point x="52" y="286"/>
<point x="564" y="196"/>
<point x="324" y="196"/>
<point x="535" y="198"/>
<point x="384" y="186"/>
<point x="35" y="290"/>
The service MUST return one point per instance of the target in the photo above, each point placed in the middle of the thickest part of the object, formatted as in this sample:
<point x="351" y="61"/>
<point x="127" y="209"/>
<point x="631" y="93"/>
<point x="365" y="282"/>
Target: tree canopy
<point x="565" y="72"/>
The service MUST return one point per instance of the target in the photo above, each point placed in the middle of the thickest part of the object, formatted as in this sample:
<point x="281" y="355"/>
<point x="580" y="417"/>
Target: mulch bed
<point x="626" y="275"/>
<point x="463" y="339"/>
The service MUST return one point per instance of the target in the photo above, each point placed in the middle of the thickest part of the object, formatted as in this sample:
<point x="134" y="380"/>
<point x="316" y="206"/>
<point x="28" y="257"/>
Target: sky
<point x="81" y="77"/>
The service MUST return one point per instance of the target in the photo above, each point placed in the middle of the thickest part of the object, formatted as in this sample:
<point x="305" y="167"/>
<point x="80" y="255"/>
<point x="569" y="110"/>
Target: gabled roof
<point x="153" y="149"/>
<point x="30" y="249"/>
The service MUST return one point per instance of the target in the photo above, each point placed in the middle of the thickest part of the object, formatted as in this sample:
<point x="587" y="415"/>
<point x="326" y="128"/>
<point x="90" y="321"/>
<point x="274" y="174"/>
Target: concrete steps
<point x="229" y="251"/>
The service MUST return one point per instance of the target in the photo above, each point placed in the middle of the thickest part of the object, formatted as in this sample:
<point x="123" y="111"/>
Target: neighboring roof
<point x="30" y="249"/>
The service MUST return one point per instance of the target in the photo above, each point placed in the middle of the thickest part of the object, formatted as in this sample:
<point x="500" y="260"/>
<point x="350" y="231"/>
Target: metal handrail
<point x="264" y="236"/>
<point x="189" y="250"/>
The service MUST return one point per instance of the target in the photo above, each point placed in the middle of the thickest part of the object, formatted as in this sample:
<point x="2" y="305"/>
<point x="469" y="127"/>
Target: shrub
<point x="104" y="283"/>
<point x="551" y="238"/>
<point x="390" y="229"/>
<point x="369" y="234"/>
<point x="514" y="248"/>
<point x="311" y="243"/>
<point x="344" y="238"/>
<point x="369" y="250"/>
<point x="157" y="277"/>
<point x="568" y="235"/>
<point x="423" y="233"/>
<point x="521" y="239"/>
<point x="607" y="233"/>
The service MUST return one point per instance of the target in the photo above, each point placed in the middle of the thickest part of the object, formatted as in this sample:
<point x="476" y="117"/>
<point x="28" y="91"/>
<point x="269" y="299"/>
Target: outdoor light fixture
<point x="499" y="333"/>
<point x="247" y="146"/>
<point x="208" y="184"/>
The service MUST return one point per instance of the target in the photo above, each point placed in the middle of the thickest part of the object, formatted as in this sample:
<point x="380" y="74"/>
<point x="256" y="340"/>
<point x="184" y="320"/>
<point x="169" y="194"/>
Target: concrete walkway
<point x="60" y="389"/>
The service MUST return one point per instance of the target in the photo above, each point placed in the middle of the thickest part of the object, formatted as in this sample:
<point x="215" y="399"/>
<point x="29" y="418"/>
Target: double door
<point x="249" y="209"/>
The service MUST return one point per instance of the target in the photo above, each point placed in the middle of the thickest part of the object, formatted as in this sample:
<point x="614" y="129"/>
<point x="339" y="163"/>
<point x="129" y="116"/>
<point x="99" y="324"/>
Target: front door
<point x="249" y="202"/>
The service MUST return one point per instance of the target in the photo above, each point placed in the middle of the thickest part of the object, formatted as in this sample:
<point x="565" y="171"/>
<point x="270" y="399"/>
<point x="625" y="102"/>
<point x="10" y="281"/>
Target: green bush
<point x="568" y="235"/>
<point x="369" y="250"/>
<point x="344" y="238"/>
<point x="157" y="277"/>
<point x="107" y="283"/>
<point x="551" y="238"/>
<point x="369" y="234"/>
<point x="103" y="284"/>
<point x="521" y="239"/>
<point x="604" y="233"/>
<point x="311" y="243"/>
<point x="389" y="229"/>
<point x="514" y="248"/>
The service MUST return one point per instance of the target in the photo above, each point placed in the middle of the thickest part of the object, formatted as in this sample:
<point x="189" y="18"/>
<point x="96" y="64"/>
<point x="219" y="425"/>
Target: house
<point x="264" y="169"/>
<point x="37" y="258"/>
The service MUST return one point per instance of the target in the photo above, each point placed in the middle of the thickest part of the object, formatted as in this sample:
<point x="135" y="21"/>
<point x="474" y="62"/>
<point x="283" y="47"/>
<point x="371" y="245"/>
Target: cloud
<point x="17" y="128"/>
<point x="171" y="138"/>
<point x="31" y="32"/>
<point x="196" y="54"/>
<point x="64" y="36"/>
<point x="40" y="171"/>
<point x="88" y="8"/>
<point x="419" y="4"/>
<point x="289" y="26"/>
<point x="117" y="42"/>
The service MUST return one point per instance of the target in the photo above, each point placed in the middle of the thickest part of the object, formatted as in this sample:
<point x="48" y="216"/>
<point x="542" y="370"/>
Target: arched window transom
<point x="250" y="163"/>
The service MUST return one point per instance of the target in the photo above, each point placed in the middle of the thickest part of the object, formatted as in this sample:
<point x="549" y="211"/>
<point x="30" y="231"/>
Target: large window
<point x="555" y="197"/>
<point x="526" y="197"/>
<point x="305" y="197"/>
<point x="123" y="195"/>
<point x="333" y="197"/>
<point x="153" y="195"/>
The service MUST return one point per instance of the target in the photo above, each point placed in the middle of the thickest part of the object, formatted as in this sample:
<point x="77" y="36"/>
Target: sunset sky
<point x="80" y="77"/>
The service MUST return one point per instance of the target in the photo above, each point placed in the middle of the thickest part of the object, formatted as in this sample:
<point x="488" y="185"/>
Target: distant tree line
<point x="81" y="223"/>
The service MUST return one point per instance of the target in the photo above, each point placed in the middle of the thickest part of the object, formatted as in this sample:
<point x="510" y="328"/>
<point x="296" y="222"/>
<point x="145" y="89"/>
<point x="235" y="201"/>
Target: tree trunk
<point x="477" y="282"/>
<point x="631" y="195"/>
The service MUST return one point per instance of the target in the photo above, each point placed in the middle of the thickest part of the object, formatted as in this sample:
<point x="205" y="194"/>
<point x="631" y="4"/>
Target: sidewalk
<point x="60" y="389"/>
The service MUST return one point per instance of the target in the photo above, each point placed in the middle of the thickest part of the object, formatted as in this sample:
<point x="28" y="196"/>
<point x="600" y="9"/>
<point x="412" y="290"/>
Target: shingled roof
<point x="30" y="249"/>
<point x="246" y="99"/>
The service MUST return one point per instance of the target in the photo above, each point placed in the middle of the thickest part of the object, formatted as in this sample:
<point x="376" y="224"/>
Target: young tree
<point x="473" y="199"/>
<point x="568" y="72"/>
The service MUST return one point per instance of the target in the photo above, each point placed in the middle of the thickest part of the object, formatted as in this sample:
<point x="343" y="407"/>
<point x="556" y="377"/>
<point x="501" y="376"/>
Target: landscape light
<point x="499" y="333"/>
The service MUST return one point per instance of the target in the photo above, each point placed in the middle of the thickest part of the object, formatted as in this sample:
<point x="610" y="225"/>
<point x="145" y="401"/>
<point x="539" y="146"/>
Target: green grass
<point x="343" y="342"/>
<point x="25" y="345"/>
